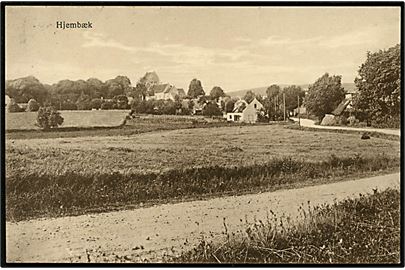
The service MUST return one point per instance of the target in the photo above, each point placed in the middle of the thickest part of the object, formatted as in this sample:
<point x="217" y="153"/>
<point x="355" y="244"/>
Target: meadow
<point x="364" y="230"/>
<point x="27" y="120"/>
<point x="140" y="124"/>
<point x="65" y="176"/>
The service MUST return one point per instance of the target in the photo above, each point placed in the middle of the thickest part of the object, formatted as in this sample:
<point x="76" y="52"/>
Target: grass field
<point x="27" y="120"/>
<point x="79" y="173"/>
<point x="364" y="230"/>
<point x="143" y="124"/>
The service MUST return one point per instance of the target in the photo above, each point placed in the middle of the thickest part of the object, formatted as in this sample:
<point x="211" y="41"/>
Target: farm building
<point x="165" y="92"/>
<point x="343" y="109"/>
<point x="244" y="112"/>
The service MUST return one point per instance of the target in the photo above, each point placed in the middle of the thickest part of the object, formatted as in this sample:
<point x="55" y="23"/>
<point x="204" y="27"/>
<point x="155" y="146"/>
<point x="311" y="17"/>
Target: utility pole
<point x="284" y="105"/>
<point x="299" y="112"/>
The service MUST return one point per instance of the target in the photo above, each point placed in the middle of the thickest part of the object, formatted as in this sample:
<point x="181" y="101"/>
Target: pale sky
<point x="232" y="47"/>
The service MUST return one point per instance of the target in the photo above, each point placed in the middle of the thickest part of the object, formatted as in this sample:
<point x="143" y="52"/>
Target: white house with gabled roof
<point x="244" y="112"/>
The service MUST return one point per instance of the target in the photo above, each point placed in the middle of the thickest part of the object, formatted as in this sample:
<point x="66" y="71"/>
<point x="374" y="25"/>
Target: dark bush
<point x="96" y="103"/>
<point x="32" y="106"/>
<point x="67" y="105"/>
<point x="107" y="105"/>
<point x="84" y="105"/>
<point x="211" y="109"/>
<point x="48" y="117"/>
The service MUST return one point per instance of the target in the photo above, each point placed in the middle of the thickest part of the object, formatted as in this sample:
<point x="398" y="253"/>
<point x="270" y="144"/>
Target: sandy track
<point x="149" y="233"/>
<point x="311" y="123"/>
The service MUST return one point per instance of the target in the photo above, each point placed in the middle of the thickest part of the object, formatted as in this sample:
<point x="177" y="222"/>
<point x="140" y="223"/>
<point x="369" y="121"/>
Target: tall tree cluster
<point x="195" y="89"/>
<point x="324" y="95"/>
<point x="379" y="84"/>
<point x="67" y="94"/>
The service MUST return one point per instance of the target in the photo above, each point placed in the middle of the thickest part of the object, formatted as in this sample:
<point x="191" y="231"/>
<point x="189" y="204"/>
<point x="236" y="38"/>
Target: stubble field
<point x="63" y="176"/>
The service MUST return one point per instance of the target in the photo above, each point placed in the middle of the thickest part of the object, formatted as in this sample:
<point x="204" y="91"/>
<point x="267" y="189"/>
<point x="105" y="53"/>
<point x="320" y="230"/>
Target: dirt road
<point x="311" y="124"/>
<point x="150" y="233"/>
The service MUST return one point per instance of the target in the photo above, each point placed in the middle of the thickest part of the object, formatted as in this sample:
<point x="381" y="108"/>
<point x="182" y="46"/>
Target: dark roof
<point x="341" y="107"/>
<point x="158" y="88"/>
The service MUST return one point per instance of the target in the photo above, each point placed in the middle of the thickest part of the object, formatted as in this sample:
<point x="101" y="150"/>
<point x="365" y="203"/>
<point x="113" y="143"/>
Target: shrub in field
<point x="363" y="230"/>
<point x="33" y="105"/>
<point x="121" y="102"/>
<point x="48" y="117"/>
<point x="48" y="193"/>
<point x="96" y="103"/>
<point x="107" y="105"/>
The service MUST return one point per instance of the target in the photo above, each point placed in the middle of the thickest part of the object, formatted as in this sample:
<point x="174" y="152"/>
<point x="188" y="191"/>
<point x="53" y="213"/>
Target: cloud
<point x="178" y="54"/>
<point x="363" y="36"/>
<point x="99" y="40"/>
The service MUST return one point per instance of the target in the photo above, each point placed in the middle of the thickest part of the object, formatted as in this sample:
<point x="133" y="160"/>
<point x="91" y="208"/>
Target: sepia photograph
<point x="172" y="133"/>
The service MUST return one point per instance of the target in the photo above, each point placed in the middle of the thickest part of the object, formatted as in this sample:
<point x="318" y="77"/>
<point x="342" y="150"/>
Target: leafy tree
<point x="379" y="84"/>
<point x="96" y="88"/>
<point x="324" y="95"/>
<point x="48" y="117"/>
<point x="195" y="89"/>
<point x="211" y="109"/>
<point x="273" y="91"/>
<point x="190" y="105"/>
<point x="249" y="96"/>
<point x="229" y="105"/>
<point x="144" y="106"/>
<point x="67" y="91"/>
<point x="177" y="102"/>
<point x="139" y="91"/>
<point x="203" y="99"/>
<point x="24" y="89"/>
<point x="107" y="105"/>
<point x="217" y="92"/>
<point x="33" y="105"/>
<point x="96" y="103"/>
<point x="121" y="102"/>
<point x="120" y="85"/>
<point x="84" y="102"/>
<point x="291" y="96"/>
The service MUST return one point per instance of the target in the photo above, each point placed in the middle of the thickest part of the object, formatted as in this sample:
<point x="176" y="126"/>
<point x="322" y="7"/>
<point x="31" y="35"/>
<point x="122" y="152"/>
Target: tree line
<point x="377" y="102"/>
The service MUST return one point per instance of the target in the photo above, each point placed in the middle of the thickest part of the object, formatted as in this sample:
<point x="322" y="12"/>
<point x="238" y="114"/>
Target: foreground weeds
<point x="31" y="194"/>
<point x="363" y="230"/>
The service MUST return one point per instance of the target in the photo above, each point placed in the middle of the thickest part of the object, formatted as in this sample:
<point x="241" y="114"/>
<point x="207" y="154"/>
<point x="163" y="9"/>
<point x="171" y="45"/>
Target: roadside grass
<point x="372" y="134"/>
<point x="365" y="230"/>
<point x="32" y="194"/>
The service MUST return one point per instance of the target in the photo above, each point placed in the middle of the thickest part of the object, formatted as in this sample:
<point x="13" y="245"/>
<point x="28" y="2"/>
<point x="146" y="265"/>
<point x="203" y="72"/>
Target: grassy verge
<point x="372" y="134"/>
<point x="364" y="230"/>
<point x="32" y="194"/>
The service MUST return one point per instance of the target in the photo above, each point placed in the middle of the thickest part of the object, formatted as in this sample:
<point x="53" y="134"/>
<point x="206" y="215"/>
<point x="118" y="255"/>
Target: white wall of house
<point x="250" y="114"/>
<point x="234" y="117"/>
<point x="255" y="104"/>
<point x="160" y="95"/>
<point x="7" y="100"/>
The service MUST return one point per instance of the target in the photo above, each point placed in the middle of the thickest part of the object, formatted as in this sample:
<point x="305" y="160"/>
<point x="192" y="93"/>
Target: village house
<point x="244" y="112"/>
<point x="165" y="92"/>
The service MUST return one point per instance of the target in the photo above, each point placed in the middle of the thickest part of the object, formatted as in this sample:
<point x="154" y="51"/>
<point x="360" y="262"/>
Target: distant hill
<point x="350" y="87"/>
